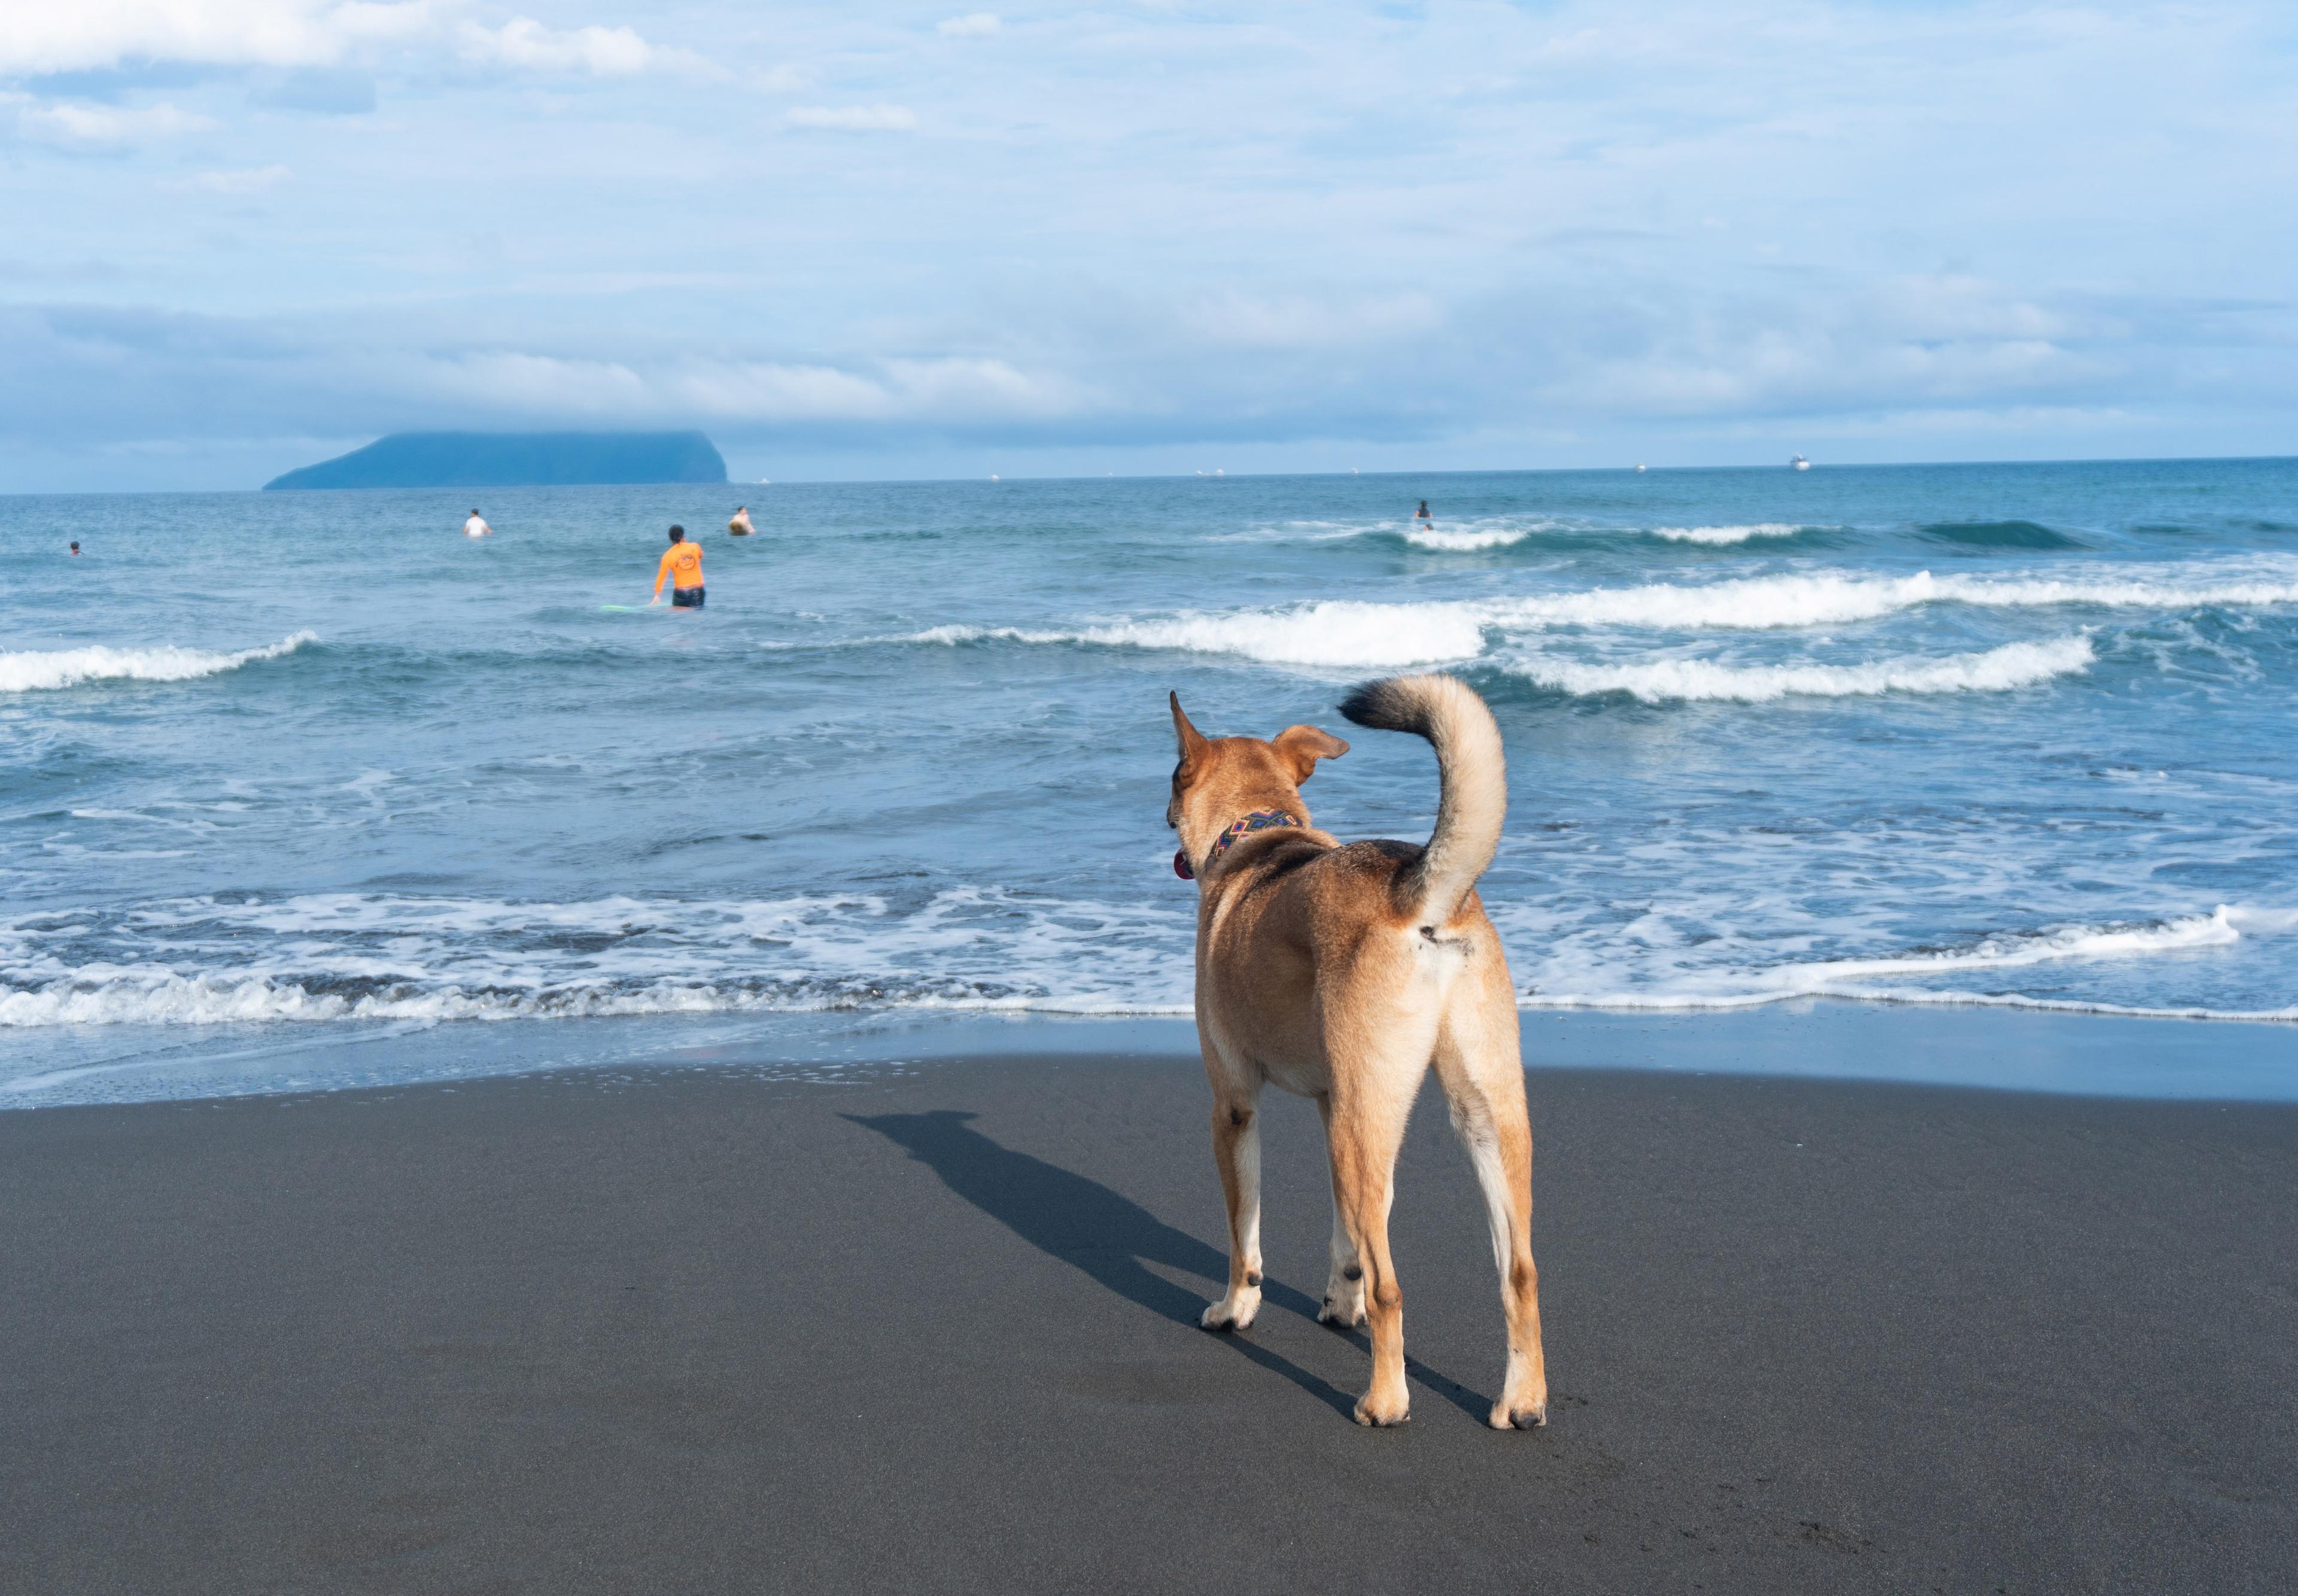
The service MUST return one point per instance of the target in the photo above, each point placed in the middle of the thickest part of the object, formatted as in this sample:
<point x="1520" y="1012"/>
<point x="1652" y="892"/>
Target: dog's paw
<point x="1341" y="1316"/>
<point x="1231" y="1313"/>
<point x="1384" y="1414"/>
<point x="1504" y="1417"/>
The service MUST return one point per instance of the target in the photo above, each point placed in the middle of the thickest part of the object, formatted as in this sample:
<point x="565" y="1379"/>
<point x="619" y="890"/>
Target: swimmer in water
<point x="1423" y="516"/>
<point x="682" y="567"/>
<point x="739" y="526"/>
<point x="474" y="527"/>
<point x="75" y="551"/>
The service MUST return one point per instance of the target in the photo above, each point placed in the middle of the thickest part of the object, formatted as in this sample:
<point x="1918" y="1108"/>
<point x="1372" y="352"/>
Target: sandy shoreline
<point x="932" y="1328"/>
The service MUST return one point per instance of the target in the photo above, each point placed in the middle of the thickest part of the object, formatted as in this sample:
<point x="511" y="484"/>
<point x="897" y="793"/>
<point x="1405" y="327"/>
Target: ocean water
<point x="286" y="772"/>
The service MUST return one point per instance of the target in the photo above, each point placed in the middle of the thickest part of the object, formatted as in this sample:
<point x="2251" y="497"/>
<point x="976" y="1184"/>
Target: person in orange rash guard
<point x="682" y="567"/>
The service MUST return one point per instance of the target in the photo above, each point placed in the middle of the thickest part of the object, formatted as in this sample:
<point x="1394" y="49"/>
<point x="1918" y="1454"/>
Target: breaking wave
<point x="1873" y="980"/>
<point x="1466" y="542"/>
<point x="364" y="956"/>
<point x="359" y="957"/>
<point x="1666" y="680"/>
<point x="1756" y="603"/>
<point x="1720" y="535"/>
<point x="1340" y="634"/>
<point x="1501" y="534"/>
<point x="33" y="670"/>
<point x="166" y="997"/>
<point x="1366" y="635"/>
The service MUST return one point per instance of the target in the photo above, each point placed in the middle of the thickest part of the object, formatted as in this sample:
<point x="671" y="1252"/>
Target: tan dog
<point x="1342" y="973"/>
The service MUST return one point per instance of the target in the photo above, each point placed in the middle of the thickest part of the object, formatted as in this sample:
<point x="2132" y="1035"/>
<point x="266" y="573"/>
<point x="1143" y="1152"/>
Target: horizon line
<point x="1217" y="474"/>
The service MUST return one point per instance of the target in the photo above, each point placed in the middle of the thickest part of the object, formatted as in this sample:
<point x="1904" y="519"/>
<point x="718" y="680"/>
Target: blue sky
<point x="924" y="241"/>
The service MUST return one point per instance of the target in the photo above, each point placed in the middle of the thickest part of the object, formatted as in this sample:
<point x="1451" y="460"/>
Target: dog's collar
<point x="1259" y="820"/>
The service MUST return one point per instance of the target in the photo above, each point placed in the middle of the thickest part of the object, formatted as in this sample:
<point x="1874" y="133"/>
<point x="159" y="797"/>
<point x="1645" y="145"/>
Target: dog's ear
<point x="1193" y="741"/>
<point x="1303" y="745"/>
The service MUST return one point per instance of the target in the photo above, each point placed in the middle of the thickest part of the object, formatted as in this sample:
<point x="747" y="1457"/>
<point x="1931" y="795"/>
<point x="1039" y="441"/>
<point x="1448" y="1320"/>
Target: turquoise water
<point x="285" y="771"/>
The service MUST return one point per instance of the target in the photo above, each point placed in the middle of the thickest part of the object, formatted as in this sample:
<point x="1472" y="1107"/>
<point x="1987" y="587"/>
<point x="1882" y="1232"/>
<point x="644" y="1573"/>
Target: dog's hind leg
<point x="1372" y="1099"/>
<point x="1343" y="1307"/>
<point x="1236" y="1150"/>
<point x="1480" y="1066"/>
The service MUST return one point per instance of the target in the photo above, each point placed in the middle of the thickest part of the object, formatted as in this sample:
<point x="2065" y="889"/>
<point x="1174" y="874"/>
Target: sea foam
<point x="1722" y="535"/>
<point x="1881" y="979"/>
<point x="326" y="958"/>
<point x="2214" y="930"/>
<point x="1662" y="680"/>
<point x="1352" y="635"/>
<point x="1467" y="540"/>
<point x="1338" y="633"/>
<point x="1477" y="536"/>
<point x="1501" y="532"/>
<point x="32" y="671"/>
<point x="1827" y="599"/>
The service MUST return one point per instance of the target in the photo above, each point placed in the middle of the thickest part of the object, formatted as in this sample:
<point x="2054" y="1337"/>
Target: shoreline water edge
<point x="1984" y="1049"/>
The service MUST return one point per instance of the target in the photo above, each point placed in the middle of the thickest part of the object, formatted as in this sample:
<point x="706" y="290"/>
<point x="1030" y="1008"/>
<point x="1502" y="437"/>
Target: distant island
<point x="515" y="460"/>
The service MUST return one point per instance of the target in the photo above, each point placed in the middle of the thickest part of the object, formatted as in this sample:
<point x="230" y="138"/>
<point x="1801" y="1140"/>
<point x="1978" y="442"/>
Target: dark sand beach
<point x="933" y="1328"/>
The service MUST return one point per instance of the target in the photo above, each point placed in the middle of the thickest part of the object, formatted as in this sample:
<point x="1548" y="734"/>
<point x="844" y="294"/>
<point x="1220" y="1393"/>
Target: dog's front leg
<point x="1236" y="1149"/>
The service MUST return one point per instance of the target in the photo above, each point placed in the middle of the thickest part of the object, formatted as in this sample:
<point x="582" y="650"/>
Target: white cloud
<point x="59" y="36"/>
<point x="942" y="390"/>
<point x="1964" y="306"/>
<point x="979" y="24"/>
<point x="526" y="43"/>
<point x="1908" y="344"/>
<point x="82" y="126"/>
<point x="853" y="119"/>
<point x="250" y="180"/>
<point x="92" y="33"/>
<point x="1298" y="321"/>
<point x="961" y="388"/>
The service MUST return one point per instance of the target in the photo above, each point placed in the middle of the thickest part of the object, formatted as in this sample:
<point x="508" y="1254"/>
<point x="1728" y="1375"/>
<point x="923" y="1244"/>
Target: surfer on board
<point x="682" y="567"/>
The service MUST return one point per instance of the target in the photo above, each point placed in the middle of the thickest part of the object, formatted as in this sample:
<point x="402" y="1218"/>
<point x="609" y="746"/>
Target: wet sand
<point x="934" y="1330"/>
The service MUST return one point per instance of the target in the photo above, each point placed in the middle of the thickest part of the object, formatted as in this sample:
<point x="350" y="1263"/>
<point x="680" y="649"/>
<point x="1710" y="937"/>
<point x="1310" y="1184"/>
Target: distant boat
<point x="1801" y="464"/>
<point x="1640" y="468"/>
<point x="993" y="476"/>
<point x="1218" y="472"/>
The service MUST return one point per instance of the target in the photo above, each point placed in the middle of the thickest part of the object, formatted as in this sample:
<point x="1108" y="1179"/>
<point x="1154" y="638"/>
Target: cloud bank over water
<point x="998" y="241"/>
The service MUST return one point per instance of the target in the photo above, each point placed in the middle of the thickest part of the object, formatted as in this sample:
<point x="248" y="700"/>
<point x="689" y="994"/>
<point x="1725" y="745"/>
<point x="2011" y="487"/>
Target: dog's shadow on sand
<point x="1110" y="1238"/>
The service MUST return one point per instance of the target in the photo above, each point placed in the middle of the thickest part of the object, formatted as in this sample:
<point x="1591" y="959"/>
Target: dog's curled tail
<point x="1473" y="774"/>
